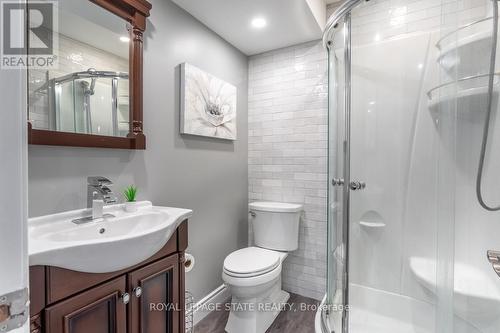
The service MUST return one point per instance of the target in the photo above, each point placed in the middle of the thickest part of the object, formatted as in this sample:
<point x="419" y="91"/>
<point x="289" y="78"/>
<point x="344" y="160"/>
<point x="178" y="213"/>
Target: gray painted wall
<point x="206" y="175"/>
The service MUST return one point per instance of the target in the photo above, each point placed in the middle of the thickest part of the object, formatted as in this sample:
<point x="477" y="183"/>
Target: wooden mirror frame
<point x="135" y="13"/>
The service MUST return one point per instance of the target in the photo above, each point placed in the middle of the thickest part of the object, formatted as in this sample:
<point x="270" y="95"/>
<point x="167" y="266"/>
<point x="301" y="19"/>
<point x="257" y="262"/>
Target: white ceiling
<point x="289" y="22"/>
<point x="332" y="1"/>
<point x="90" y="24"/>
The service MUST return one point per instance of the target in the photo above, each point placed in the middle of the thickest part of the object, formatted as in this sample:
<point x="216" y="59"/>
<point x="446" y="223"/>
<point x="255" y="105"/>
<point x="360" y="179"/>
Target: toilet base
<point x="255" y="315"/>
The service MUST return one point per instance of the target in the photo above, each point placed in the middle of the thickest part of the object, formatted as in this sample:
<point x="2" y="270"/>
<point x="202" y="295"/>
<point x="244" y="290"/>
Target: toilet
<point x="253" y="274"/>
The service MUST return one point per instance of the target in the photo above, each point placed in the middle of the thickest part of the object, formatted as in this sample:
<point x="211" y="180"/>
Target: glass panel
<point x="474" y="286"/>
<point x="398" y="222"/>
<point x="441" y="103"/>
<point x="336" y="126"/>
<point x="88" y="90"/>
<point x="418" y="235"/>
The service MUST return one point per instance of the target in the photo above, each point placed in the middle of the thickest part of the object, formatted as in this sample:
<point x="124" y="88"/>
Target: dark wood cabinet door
<point x="157" y="309"/>
<point x="98" y="310"/>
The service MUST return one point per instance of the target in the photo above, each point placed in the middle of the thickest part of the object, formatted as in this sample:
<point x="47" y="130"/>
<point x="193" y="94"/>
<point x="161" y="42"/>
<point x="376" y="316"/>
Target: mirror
<point x="87" y="92"/>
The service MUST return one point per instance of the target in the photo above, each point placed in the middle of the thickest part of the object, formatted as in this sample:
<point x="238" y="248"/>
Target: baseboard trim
<point x="203" y="307"/>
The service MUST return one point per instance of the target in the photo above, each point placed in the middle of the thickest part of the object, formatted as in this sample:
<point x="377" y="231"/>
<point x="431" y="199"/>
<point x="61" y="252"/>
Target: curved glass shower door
<point x="394" y="154"/>
<point x="334" y="314"/>
<point x="407" y="237"/>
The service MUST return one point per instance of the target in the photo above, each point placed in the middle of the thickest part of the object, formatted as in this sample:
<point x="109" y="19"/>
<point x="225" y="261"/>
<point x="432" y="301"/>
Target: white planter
<point x="131" y="207"/>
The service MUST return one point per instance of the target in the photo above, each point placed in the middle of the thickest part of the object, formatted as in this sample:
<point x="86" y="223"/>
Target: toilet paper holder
<point x="188" y="262"/>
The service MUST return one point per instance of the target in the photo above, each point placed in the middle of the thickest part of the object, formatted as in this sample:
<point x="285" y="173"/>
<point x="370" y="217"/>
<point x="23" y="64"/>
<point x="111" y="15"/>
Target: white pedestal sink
<point x="105" y="245"/>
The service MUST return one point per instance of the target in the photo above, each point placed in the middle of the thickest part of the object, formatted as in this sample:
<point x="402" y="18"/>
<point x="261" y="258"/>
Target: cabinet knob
<point x="137" y="291"/>
<point x="125" y="298"/>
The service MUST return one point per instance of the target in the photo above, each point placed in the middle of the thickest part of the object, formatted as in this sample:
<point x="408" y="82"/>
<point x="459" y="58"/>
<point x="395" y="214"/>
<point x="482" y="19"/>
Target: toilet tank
<point x="276" y="225"/>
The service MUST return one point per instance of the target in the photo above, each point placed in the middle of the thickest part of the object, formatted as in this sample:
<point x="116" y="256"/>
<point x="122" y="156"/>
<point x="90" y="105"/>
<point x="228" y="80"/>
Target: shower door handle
<point x="357" y="186"/>
<point x="494" y="259"/>
<point x="354" y="185"/>
<point x="337" y="182"/>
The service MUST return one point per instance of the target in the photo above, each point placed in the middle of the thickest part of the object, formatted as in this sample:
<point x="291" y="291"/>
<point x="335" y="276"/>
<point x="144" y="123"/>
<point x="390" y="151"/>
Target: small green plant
<point x="130" y="193"/>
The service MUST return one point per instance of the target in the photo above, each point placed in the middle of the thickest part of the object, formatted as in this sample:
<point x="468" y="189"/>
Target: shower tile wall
<point x="74" y="56"/>
<point x="378" y="20"/>
<point x="373" y="20"/>
<point x="287" y="117"/>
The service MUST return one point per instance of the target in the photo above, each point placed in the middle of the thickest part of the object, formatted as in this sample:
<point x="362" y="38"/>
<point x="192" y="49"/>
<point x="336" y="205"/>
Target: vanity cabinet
<point x="157" y="285"/>
<point x="98" y="310"/>
<point x="146" y="298"/>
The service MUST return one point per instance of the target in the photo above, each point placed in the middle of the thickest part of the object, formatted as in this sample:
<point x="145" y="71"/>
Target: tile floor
<point x="292" y="320"/>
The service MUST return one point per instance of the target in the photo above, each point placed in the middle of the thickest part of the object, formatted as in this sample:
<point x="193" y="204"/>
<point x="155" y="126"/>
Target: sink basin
<point x="106" y="245"/>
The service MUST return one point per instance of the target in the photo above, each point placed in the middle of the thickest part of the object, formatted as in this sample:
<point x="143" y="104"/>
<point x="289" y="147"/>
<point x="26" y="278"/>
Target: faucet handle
<point x="99" y="181"/>
<point x="110" y="199"/>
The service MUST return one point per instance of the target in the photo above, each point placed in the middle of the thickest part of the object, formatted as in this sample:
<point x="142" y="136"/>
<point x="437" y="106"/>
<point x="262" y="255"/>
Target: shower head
<point x="92" y="86"/>
<point x="90" y="90"/>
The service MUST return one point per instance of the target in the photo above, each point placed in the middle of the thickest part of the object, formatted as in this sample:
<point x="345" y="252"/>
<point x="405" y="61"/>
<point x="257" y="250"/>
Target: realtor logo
<point x="28" y="36"/>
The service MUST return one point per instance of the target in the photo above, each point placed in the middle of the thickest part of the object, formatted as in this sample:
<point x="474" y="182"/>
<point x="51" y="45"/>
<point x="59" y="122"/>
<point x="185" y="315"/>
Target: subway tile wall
<point x="287" y="150"/>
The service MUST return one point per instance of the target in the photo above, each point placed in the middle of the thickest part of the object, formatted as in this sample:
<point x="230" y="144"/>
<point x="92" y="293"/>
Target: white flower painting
<point x="208" y="104"/>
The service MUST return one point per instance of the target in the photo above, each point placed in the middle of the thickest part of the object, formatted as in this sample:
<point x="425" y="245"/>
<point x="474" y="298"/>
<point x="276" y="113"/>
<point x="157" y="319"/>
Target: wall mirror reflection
<point x="88" y="91"/>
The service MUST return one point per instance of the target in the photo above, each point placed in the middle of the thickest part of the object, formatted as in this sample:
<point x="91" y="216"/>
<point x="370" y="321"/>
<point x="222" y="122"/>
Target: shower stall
<point x="414" y="168"/>
<point x="90" y="102"/>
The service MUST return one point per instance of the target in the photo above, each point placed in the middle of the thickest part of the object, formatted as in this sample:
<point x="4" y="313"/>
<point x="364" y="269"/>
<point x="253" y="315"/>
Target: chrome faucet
<point x="97" y="208"/>
<point x="98" y="188"/>
<point x="98" y="195"/>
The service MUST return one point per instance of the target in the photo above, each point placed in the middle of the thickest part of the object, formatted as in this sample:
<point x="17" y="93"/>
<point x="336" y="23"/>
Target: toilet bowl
<point x="253" y="274"/>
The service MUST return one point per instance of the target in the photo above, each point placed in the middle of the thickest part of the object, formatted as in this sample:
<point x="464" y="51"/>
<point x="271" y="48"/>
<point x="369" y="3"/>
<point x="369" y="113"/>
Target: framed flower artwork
<point x="208" y="104"/>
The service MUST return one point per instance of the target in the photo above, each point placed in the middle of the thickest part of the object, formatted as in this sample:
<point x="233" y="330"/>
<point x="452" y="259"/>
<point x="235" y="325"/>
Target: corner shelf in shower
<point x="468" y="91"/>
<point x="473" y="287"/>
<point x="367" y="224"/>
<point x="461" y="49"/>
<point x="123" y="100"/>
<point x="372" y="220"/>
<point x="473" y="26"/>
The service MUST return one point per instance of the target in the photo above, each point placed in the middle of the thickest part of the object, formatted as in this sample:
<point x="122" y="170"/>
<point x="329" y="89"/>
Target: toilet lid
<point x="251" y="261"/>
<point x="276" y="207"/>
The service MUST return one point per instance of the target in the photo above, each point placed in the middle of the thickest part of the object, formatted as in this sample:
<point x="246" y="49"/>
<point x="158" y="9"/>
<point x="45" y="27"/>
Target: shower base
<point x="376" y="311"/>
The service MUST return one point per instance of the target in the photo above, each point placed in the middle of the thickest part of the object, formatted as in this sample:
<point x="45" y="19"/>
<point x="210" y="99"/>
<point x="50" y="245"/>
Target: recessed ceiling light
<point x="125" y="39"/>
<point x="259" y="22"/>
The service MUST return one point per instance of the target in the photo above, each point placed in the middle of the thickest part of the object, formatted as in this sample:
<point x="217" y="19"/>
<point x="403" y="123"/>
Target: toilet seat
<point x="253" y="274"/>
<point x="251" y="262"/>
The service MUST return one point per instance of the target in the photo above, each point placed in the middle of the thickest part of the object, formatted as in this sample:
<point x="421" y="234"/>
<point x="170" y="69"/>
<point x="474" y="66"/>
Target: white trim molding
<point x="213" y="301"/>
